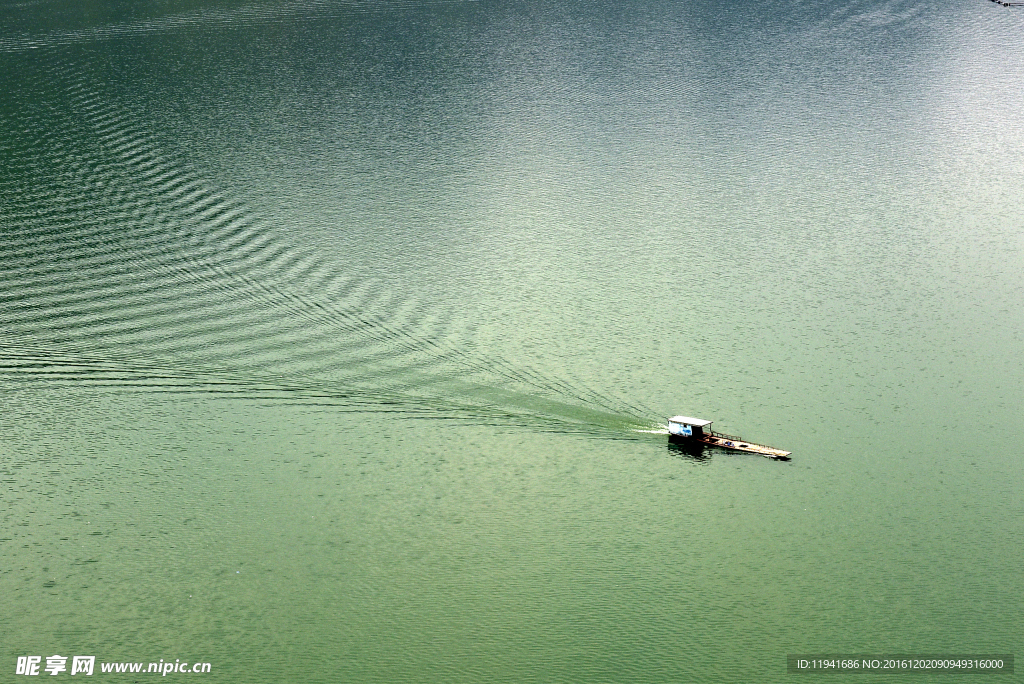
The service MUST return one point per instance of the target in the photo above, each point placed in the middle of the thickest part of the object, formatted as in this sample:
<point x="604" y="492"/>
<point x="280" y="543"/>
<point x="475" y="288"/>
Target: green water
<point x="330" y="333"/>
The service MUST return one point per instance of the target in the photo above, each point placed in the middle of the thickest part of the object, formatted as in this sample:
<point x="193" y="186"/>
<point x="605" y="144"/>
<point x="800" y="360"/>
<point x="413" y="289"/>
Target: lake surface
<point x="336" y="337"/>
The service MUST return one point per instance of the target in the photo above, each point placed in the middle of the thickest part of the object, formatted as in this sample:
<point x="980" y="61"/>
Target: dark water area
<point x="337" y="339"/>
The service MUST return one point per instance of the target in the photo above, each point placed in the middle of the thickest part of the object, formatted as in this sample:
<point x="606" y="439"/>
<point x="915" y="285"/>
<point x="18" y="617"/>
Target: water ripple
<point x="246" y="15"/>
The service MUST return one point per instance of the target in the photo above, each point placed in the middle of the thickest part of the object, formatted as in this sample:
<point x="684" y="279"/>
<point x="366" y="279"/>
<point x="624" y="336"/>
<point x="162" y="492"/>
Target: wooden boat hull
<point x="733" y="443"/>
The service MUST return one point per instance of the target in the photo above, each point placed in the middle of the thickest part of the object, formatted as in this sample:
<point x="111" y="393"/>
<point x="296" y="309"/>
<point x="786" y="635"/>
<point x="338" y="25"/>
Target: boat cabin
<point x="684" y="426"/>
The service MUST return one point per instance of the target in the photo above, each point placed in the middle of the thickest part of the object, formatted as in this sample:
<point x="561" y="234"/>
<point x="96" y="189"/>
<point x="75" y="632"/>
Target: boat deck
<point x="737" y="444"/>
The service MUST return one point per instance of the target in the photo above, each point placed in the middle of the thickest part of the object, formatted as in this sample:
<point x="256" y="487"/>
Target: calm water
<point x="329" y="333"/>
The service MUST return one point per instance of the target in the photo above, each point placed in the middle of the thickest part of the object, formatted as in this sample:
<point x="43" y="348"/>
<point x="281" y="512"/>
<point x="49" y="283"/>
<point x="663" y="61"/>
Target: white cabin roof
<point x="686" y="420"/>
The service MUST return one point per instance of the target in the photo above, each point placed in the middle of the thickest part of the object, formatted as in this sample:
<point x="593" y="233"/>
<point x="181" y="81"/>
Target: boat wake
<point x="126" y="268"/>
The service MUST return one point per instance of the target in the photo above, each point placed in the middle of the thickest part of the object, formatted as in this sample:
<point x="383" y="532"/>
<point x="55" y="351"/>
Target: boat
<point x="695" y="431"/>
